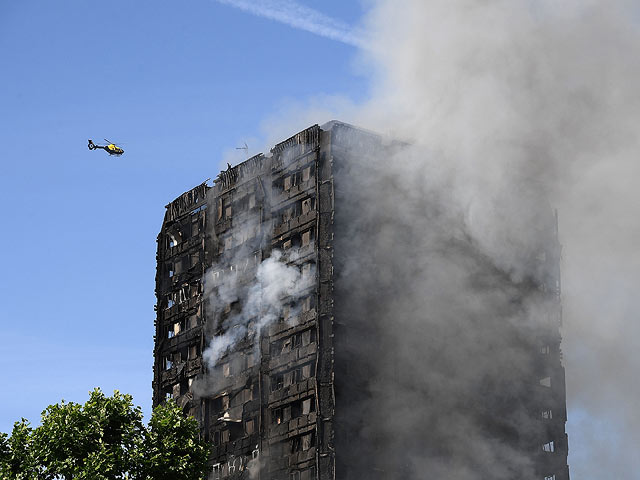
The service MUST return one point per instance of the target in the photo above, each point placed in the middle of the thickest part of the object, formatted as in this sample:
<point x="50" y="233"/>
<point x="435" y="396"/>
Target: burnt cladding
<point x="296" y="320"/>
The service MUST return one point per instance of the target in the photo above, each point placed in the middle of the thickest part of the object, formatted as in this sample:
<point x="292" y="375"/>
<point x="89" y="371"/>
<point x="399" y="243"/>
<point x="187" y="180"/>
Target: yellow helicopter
<point x="111" y="148"/>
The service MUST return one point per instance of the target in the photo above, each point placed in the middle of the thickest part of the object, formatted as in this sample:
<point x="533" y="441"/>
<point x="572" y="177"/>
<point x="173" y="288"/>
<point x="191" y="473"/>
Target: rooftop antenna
<point x="245" y="148"/>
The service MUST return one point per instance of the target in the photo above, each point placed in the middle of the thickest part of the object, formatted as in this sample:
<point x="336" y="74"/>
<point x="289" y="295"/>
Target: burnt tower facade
<point x="282" y="346"/>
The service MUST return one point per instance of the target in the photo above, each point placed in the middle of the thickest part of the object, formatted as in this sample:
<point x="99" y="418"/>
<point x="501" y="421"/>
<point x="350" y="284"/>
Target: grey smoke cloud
<point x="453" y="323"/>
<point x="515" y="101"/>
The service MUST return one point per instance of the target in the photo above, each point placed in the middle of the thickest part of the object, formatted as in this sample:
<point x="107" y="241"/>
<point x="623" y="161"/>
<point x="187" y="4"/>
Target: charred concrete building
<point x="291" y="329"/>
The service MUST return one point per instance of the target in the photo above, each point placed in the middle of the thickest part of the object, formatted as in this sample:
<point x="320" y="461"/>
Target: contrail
<point x="298" y="16"/>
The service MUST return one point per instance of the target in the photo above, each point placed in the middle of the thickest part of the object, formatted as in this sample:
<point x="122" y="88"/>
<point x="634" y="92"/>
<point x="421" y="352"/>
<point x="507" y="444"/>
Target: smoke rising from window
<point x="245" y="292"/>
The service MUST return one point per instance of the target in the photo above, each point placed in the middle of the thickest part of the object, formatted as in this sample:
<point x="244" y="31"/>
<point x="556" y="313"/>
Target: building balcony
<point x="305" y="387"/>
<point x="294" y="356"/>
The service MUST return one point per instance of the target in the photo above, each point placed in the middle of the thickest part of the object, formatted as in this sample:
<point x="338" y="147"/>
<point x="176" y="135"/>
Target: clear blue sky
<point x="179" y="83"/>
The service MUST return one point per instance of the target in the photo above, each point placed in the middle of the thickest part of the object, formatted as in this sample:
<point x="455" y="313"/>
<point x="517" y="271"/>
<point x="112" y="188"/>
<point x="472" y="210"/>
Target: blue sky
<point x="179" y="86"/>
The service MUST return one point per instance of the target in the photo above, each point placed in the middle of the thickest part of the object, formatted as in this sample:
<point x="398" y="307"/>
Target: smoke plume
<point x="510" y="102"/>
<point x="513" y="107"/>
<point x="277" y="285"/>
<point x="246" y="293"/>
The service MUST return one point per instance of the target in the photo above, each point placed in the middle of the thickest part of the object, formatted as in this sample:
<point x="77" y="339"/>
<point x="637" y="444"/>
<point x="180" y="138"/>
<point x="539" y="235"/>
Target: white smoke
<point x="276" y="282"/>
<point x="278" y="285"/>
<point x="219" y="345"/>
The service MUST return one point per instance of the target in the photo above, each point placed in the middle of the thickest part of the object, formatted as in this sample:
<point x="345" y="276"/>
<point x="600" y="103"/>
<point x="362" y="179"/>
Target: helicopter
<point x="111" y="148"/>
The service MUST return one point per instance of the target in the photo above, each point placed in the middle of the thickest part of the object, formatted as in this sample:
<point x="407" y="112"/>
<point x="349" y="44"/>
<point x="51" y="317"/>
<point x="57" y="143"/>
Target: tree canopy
<point x="105" y="439"/>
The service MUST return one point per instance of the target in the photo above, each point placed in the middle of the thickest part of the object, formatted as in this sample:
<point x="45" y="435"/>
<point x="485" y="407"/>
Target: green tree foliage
<point x="105" y="439"/>
<point x="171" y="449"/>
<point x="97" y="440"/>
<point x="17" y="460"/>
